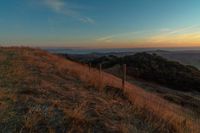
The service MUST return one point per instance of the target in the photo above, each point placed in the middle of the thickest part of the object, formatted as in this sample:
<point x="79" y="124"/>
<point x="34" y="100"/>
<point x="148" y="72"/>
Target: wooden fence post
<point x="124" y="76"/>
<point x="90" y="66"/>
<point x="99" y="85"/>
<point x="100" y="68"/>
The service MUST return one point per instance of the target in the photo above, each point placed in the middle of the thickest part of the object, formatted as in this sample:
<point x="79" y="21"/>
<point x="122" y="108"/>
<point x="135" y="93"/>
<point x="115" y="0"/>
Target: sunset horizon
<point x="100" y="24"/>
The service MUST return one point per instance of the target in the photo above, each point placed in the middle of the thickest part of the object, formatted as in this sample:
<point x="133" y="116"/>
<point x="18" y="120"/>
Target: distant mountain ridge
<point x="187" y="57"/>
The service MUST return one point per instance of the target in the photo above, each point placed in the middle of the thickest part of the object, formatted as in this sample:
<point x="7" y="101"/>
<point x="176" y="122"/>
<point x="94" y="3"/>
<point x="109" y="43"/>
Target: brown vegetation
<point x="49" y="89"/>
<point x="173" y="114"/>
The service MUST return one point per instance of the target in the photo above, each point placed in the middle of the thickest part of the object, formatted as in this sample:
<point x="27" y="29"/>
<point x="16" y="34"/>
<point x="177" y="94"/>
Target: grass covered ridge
<point x="41" y="92"/>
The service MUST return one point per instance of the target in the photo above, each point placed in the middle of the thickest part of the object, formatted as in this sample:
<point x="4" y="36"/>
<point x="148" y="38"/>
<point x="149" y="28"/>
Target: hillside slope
<point x="41" y="92"/>
<point x="152" y="67"/>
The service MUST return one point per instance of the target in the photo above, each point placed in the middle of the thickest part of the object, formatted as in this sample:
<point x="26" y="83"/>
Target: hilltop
<point x="186" y="57"/>
<point x="42" y="92"/>
<point x="152" y="67"/>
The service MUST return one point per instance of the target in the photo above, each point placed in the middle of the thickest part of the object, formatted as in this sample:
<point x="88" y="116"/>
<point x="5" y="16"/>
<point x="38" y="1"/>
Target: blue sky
<point x="100" y="23"/>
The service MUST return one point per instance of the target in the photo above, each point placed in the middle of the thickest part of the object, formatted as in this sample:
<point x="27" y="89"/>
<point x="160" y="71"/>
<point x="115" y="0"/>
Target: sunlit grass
<point x="32" y="71"/>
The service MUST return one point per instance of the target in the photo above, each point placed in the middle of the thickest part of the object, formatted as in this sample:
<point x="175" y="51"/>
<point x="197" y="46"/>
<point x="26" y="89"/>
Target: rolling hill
<point x="152" y="67"/>
<point x="42" y="92"/>
<point x="186" y="57"/>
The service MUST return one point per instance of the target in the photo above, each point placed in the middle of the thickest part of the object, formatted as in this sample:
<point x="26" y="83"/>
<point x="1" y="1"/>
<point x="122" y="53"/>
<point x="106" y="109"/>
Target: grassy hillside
<point x="152" y="67"/>
<point x="41" y="92"/>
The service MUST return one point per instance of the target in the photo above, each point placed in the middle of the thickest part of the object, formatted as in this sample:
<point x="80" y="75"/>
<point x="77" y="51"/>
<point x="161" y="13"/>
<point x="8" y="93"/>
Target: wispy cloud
<point x="64" y="7"/>
<point x="55" y="5"/>
<point x="183" y="35"/>
<point x="188" y="34"/>
<point x="181" y="30"/>
<point x="106" y="39"/>
<point x="125" y="35"/>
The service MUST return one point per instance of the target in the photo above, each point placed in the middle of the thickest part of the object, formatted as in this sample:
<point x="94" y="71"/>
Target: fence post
<point x="90" y="67"/>
<point x="124" y="76"/>
<point x="100" y="68"/>
<point x="100" y="75"/>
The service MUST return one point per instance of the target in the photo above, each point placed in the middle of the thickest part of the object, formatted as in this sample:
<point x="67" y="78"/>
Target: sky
<point x="100" y="23"/>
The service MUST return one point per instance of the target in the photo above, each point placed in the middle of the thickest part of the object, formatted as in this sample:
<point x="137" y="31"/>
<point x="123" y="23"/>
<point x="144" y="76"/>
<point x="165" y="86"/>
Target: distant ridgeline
<point x="152" y="67"/>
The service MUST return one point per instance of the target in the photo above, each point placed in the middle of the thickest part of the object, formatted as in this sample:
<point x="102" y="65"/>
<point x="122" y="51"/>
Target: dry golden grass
<point x="32" y="119"/>
<point x="161" y="108"/>
<point x="143" y="100"/>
